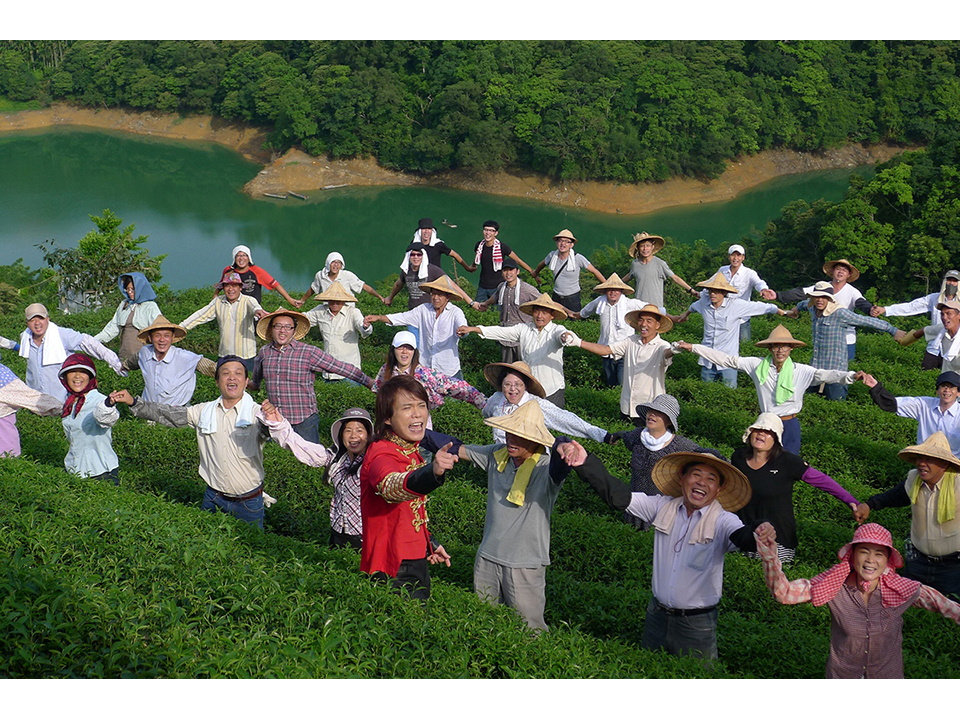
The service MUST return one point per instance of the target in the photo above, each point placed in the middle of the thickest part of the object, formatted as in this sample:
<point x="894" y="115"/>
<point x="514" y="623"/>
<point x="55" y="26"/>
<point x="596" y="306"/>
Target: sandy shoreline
<point x="298" y="172"/>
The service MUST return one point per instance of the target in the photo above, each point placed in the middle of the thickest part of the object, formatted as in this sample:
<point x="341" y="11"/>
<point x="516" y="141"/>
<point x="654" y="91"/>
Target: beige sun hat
<point x="718" y="282"/>
<point x="526" y="422"/>
<point x="612" y="283"/>
<point x="936" y="446"/>
<point x="565" y="235"/>
<point x="494" y="373"/>
<point x="735" y="491"/>
<point x="822" y="289"/>
<point x="544" y="301"/>
<point x="766" y="421"/>
<point x="633" y="318"/>
<point x="300" y="332"/>
<point x="335" y="293"/>
<point x="829" y="266"/>
<point x="442" y="284"/>
<point x="780" y="336"/>
<point x="161" y="323"/>
<point x="949" y="305"/>
<point x="640" y="237"/>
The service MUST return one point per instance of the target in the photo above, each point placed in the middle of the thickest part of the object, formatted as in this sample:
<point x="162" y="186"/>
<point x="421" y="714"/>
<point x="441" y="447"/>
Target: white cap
<point x="736" y="248"/>
<point x="404" y="337"/>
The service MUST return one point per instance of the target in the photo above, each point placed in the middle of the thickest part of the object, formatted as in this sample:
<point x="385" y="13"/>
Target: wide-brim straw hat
<point x="612" y="283"/>
<point x="780" y="335"/>
<point x="735" y="491"/>
<point x="822" y="289"/>
<point x="335" y="293"/>
<point x="565" y="235"/>
<point x="663" y="403"/>
<point x="766" y="421"/>
<point x="526" y="422"/>
<point x="300" y="332"/>
<point x="161" y="323"/>
<point x="936" y="446"/>
<point x="718" y="282"/>
<point x="633" y="318"/>
<point x="829" y="266"/>
<point x="442" y="284"/>
<point x="877" y="535"/>
<point x="640" y="237"/>
<point x="494" y="373"/>
<point x="544" y="301"/>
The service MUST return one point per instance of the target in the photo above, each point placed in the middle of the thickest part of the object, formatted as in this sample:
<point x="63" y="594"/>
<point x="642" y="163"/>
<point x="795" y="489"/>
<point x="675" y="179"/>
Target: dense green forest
<point x="609" y="110"/>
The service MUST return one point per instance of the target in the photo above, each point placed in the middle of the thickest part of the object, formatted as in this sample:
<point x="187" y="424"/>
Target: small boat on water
<point x="274" y="195"/>
<point x="447" y="224"/>
<point x="331" y="187"/>
<point x="297" y="195"/>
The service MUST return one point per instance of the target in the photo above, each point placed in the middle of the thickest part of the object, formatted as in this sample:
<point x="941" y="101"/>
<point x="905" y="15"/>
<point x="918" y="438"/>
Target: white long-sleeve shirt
<point x="918" y="306"/>
<point x="542" y="350"/>
<point x="438" y="346"/>
<point x="721" y="326"/>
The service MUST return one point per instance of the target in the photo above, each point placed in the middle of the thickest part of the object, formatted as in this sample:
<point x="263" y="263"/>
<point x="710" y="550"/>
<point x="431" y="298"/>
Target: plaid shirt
<point x="345" y="507"/>
<point x="829" y="334"/>
<point x="289" y="372"/>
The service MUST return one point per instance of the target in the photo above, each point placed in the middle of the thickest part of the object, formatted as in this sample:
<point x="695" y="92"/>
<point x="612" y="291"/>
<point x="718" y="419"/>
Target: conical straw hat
<point x="303" y="324"/>
<point x="494" y="373"/>
<point x="936" y="446"/>
<point x="735" y="491"/>
<point x="442" y="284"/>
<point x="829" y="266"/>
<point x="612" y="283"/>
<point x="780" y="336"/>
<point x="633" y="318"/>
<point x="335" y="293"/>
<point x="640" y="237"/>
<point x="544" y="301"/>
<point x="718" y="282"/>
<point x="526" y="422"/>
<point x="161" y="323"/>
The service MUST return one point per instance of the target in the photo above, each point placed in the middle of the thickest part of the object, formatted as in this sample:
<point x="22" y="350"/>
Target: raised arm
<point x="596" y="273"/>
<point x="521" y="263"/>
<point x="373" y="291"/>
<point x="100" y="351"/>
<point x="170" y="415"/>
<point x="312" y="454"/>
<point x="784" y="591"/>
<point x="822" y="481"/>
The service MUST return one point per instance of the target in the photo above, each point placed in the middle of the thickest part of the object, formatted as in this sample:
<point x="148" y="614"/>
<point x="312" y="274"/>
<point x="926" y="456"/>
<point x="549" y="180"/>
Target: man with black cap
<point x="509" y="296"/>
<point x="490" y="254"/>
<point x="933" y="414"/>
<point x="230" y="439"/>
<point x="920" y="305"/>
<point x="435" y="247"/>
<point x="413" y="273"/>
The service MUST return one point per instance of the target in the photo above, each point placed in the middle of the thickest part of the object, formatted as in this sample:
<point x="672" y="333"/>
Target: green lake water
<point x="187" y="197"/>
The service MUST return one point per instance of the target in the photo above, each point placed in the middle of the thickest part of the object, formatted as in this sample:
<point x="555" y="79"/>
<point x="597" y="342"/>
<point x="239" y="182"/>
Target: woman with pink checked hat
<point x="866" y="598"/>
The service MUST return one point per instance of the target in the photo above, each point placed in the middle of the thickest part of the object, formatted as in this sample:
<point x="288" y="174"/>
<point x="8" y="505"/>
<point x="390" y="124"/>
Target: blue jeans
<point x="484" y="293"/>
<point x="309" y="429"/>
<point x="941" y="574"/>
<point x="727" y="375"/>
<point x="250" y="511"/>
<point x="612" y="371"/>
<point x="791" y="435"/>
<point x="677" y="635"/>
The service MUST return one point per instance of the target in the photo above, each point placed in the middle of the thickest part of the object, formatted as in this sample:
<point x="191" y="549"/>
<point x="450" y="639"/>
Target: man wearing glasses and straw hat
<point x="722" y="315"/>
<point x="288" y="370"/>
<point x="647" y="357"/>
<point x="779" y="381"/>
<point x="523" y="482"/>
<point x="341" y="326"/>
<point x="930" y="491"/>
<point x="694" y="527"/>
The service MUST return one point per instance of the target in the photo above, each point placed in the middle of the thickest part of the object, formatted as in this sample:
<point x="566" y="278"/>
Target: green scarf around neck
<point x="785" y="388"/>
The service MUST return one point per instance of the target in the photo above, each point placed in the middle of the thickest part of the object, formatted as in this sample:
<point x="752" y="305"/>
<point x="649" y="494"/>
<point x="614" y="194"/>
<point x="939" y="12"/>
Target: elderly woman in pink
<point x="866" y="597"/>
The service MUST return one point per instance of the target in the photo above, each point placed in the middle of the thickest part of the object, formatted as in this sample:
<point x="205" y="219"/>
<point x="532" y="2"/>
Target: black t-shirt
<point x="435" y="252"/>
<point x="490" y="278"/>
<point x="416" y="296"/>
<point x="772" y="498"/>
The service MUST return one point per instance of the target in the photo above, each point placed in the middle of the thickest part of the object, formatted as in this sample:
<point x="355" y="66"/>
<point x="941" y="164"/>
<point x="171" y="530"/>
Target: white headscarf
<point x="241" y="248"/>
<point x="330" y="258"/>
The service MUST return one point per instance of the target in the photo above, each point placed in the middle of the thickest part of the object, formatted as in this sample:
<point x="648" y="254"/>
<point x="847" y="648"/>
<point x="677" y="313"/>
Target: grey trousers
<point x="677" y="635"/>
<point x="523" y="589"/>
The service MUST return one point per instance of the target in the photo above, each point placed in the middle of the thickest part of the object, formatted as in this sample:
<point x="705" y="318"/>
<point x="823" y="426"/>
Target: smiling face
<point x="869" y="561"/>
<point x="408" y="419"/>
<point x="354" y="437"/>
<point x="780" y="353"/>
<point x="648" y="326"/>
<point x="840" y="273"/>
<point x="426" y="234"/>
<point x="335" y="306"/>
<point x="563" y="246"/>
<point x="489" y="234"/>
<point x="513" y="387"/>
<point x="510" y="275"/>
<point x="645" y="249"/>
<point x="613" y="296"/>
<point x="947" y="394"/>
<point x="931" y="469"/>
<point x="232" y="381"/>
<point x="541" y="316"/>
<point x="404" y="355"/>
<point x="232" y="291"/>
<point x="130" y="290"/>
<point x="241" y="260"/>
<point x="416" y="258"/>
<point x="736" y="260"/>
<point x="700" y="485"/>
<point x="38" y="326"/>
<point x="520" y="448"/>
<point x="161" y="341"/>
<point x="282" y="329"/>
<point x="77" y="380"/>
<point x="762" y="440"/>
<point x="820" y="303"/>
<point x="335" y="267"/>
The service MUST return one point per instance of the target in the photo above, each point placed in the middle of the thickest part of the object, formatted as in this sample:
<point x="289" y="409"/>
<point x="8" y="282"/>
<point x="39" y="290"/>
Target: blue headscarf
<point x="142" y="290"/>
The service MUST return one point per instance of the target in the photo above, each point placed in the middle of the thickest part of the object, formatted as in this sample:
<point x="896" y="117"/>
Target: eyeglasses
<point x="288" y="328"/>
<point x="562" y="241"/>
<point x="513" y="386"/>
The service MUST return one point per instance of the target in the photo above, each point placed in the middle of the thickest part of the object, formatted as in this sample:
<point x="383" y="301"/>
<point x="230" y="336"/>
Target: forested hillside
<point x="620" y="111"/>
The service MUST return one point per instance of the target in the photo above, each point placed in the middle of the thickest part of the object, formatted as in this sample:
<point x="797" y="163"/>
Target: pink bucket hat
<point x="878" y="535"/>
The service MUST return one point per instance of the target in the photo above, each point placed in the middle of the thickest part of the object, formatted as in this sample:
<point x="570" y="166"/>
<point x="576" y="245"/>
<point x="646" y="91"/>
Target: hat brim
<point x="527" y="309"/>
<point x="535" y="434"/>
<point x="633" y="320"/>
<point x="655" y="239"/>
<point x="912" y="454"/>
<point x="335" y="428"/>
<point x="735" y="490"/>
<point x="178" y="332"/>
<point x="793" y="342"/>
<point x="494" y="373"/>
<point x="300" y="332"/>
<point x="829" y="266"/>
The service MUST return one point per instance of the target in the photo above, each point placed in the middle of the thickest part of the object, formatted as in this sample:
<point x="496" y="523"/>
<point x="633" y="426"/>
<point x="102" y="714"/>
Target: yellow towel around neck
<point x="521" y="479"/>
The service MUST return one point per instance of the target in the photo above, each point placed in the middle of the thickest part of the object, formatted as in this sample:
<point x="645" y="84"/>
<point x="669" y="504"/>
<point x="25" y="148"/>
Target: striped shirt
<point x="238" y="327"/>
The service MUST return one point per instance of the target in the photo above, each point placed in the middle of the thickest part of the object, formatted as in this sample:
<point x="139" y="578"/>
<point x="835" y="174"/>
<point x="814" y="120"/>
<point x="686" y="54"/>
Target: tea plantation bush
<point x="136" y="581"/>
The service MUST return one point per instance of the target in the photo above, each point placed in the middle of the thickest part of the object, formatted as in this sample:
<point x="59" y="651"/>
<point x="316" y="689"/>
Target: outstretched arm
<point x="935" y="601"/>
<point x="373" y="291"/>
<point x="286" y="296"/>
<point x="784" y="591"/>
<point x="596" y="273"/>
<point x="522" y="264"/>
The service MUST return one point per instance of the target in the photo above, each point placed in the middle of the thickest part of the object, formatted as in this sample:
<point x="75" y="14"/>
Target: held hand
<point x="444" y="460"/>
<point x="297" y="303"/>
<point x="866" y="378"/>
<point x="440" y="556"/>
<point x="877" y="311"/>
<point x="121" y="396"/>
<point x="900" y="336"/>
<point x="765" y="534"/>
<point x="683" y="345"/>
<point x="572" y="453"/>
<point x="464" y="330"/>
<point x="861" y="512"/>
<point x="388" y="302"/>
<point x="270" y="412"/>
<point x="768" y="294"/>
<point x="368" y="320"/>
<point x="682" y="318"/>
<point x="792" y="313"/>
